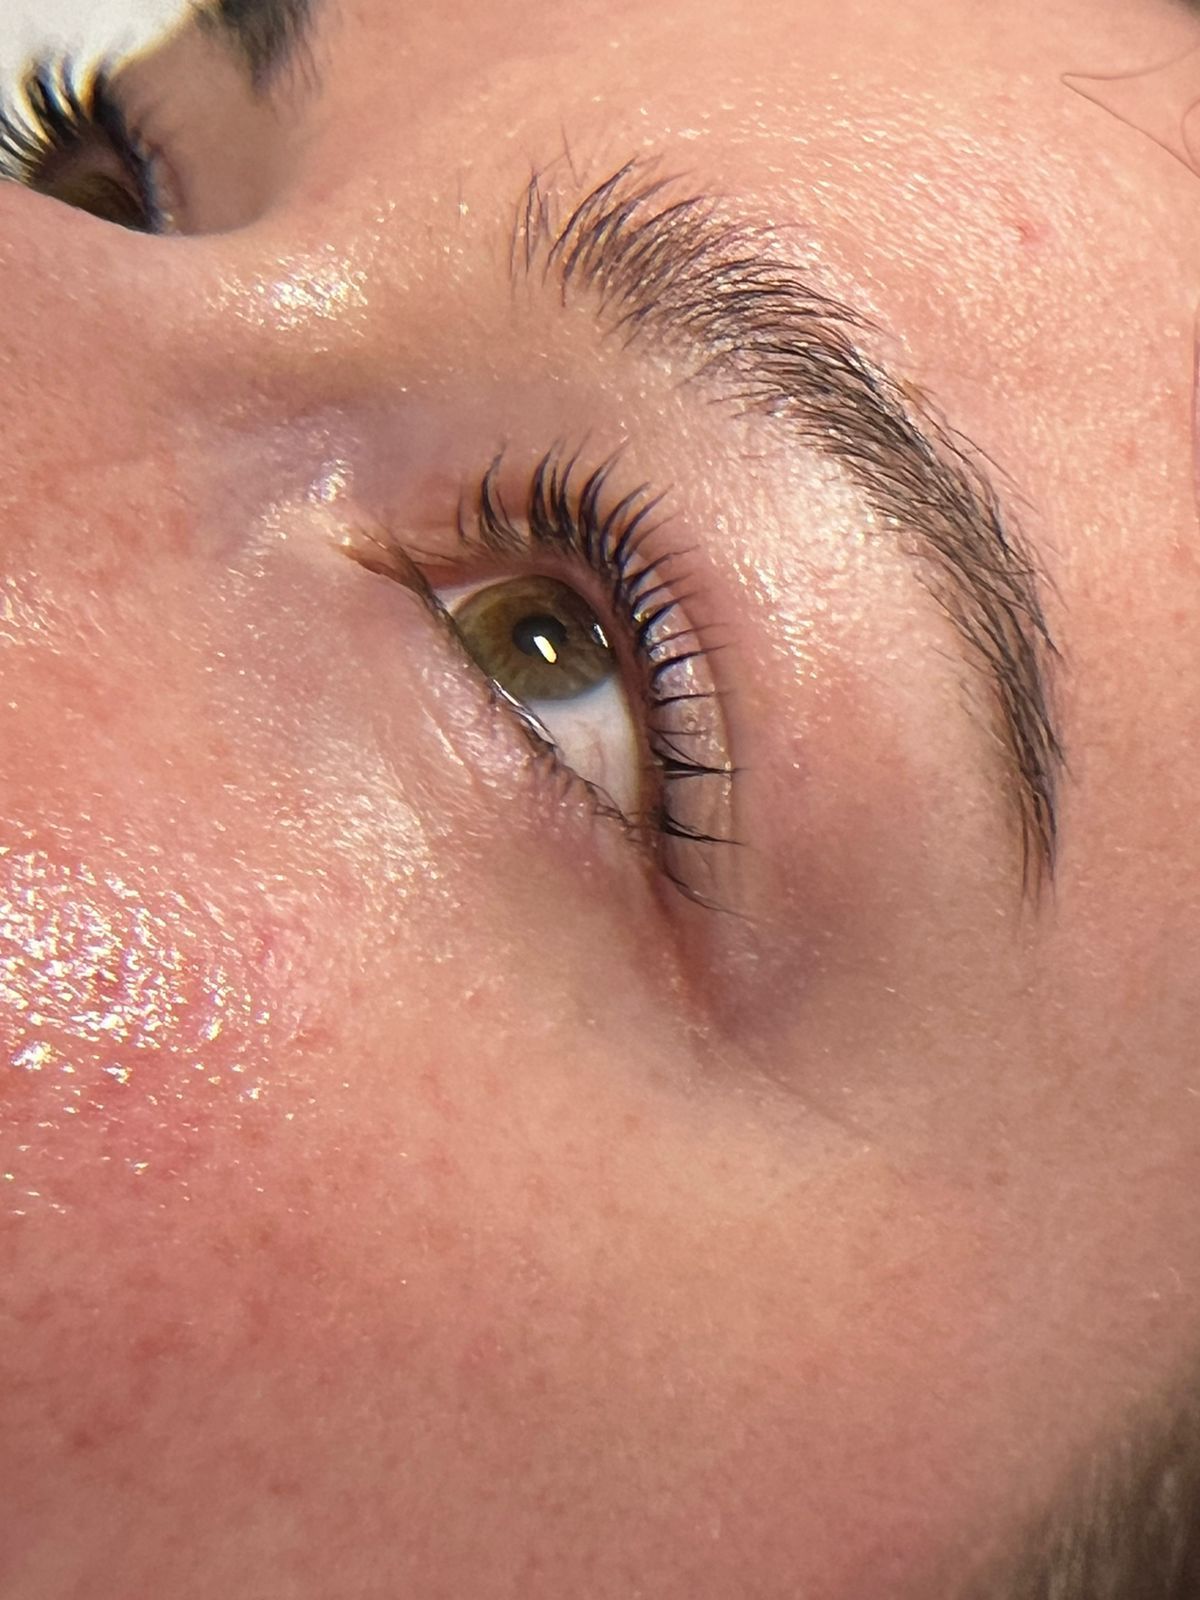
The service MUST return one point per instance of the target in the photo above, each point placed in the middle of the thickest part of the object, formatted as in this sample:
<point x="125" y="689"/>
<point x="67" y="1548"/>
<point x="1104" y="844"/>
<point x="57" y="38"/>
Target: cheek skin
<point x="233" y="835"/>
<point x="225" y="1065"/>
<point x="135" y="1020"/>
<point x="466" y="1271"/>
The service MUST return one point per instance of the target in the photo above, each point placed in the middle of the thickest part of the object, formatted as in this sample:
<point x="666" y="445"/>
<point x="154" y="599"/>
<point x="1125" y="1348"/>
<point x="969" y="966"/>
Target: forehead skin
<point x="431" y="1254"/>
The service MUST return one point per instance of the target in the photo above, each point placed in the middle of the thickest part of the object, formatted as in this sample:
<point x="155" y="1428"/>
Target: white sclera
<point x="597" y="738"/>
<point x="595" y="732"/>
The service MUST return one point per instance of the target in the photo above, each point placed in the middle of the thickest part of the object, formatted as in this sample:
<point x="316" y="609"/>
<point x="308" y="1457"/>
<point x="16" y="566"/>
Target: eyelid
<point x="577" y="528"/>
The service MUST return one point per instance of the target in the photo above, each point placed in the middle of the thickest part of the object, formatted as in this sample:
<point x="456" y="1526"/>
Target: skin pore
<point x="406" y="1189"/>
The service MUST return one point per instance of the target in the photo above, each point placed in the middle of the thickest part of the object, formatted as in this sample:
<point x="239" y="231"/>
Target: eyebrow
<point x="666" y="265"/>
<point x="265" y="34"/>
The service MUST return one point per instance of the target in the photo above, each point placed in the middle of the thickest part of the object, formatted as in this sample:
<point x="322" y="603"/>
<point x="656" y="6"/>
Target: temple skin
<point x="402" y="1190"/>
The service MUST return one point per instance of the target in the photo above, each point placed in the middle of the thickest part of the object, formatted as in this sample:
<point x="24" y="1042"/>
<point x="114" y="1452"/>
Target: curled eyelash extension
<point x="61" y="114"/>
<point x="570" y="518"/>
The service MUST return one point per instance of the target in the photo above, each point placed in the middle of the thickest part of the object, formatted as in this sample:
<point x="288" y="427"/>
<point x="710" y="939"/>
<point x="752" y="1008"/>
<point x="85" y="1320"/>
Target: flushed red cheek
<point x="137" y="1023"/>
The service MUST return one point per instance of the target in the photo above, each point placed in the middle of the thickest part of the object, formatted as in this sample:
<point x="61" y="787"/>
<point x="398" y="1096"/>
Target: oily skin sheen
<point x="402" y="1195"/>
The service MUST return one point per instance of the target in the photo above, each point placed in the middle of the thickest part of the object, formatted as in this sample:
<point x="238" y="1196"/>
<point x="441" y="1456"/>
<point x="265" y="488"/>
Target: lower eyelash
<point x="683" y="723"/>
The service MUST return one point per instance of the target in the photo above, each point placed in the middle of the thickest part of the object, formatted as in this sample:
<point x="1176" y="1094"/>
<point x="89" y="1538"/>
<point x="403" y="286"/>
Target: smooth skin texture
<point x="404" y="1192"/>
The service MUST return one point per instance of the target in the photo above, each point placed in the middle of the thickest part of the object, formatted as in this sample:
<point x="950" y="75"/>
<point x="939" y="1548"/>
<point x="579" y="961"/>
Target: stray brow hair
<point x="265" y="33"/>
<point x="666" y="264"/>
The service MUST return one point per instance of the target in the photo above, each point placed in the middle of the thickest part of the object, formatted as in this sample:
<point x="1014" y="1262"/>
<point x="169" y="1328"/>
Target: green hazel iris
<point x="536" y="638"/>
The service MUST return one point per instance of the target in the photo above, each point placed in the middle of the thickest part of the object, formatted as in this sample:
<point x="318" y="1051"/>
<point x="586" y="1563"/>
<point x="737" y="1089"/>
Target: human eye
<point x="65" y="134"/>
<point x="578" y="611"/>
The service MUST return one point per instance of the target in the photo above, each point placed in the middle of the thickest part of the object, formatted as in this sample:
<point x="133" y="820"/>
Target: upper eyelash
<point x="615" y="544"/>
<point x="59" y="110"/>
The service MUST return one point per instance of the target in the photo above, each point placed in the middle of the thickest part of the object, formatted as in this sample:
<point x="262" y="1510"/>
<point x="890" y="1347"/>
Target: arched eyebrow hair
<point x="666" y="265"/>
<point x="266" y="34"/>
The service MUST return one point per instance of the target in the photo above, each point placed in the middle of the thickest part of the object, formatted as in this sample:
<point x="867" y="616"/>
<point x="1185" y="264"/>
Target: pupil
<point x="540" y="636"/>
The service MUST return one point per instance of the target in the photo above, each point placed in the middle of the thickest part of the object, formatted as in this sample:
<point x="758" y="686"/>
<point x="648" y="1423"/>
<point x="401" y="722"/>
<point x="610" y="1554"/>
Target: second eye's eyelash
<point x="63" y="115"/>
<point x="570" y="518"/>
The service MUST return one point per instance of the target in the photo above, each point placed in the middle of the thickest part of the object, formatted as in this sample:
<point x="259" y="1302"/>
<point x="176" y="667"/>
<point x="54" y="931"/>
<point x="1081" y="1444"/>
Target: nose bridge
<point x="287" y="322"/>
<point x="161" y="393"/>
<point x="308" y="310"/>
<point x="88" y="369"/>
<point x="283" y="319"/>
<point x="367" y="284"/>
